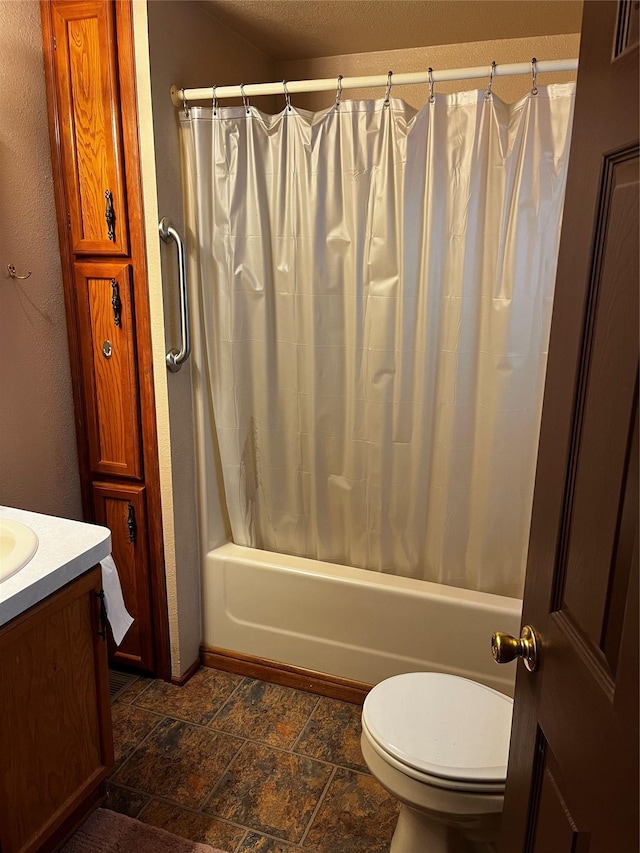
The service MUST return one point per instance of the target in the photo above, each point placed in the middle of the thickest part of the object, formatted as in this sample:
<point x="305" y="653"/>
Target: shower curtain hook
<point x="245" y="100"/>
<point x="185" y="105"/>
<point x="338" y="90"/>
<point x="214" y="103"/>
<point x="388" y="92"/>
<point x="432" y="97"/>
<point x="489" y="93"/>
<point x="534" y="74"/>
<point x="287" y="96"/>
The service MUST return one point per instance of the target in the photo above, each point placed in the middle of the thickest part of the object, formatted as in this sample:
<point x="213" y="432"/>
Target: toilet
<point x="439" y="744"/>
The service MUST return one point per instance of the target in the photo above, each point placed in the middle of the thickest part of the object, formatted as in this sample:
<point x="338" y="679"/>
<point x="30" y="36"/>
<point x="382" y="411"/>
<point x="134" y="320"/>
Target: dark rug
<point x="109" y="832"/>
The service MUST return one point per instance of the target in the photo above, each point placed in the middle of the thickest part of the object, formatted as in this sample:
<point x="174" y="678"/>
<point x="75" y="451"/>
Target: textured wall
<point x="177" y="42"/>
<point x="288" y="30"/>
<point x="439" y="57"/>
<point x="38" y="465"/>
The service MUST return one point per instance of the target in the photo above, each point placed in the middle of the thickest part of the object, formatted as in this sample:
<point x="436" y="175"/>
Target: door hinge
<point x="55" y="43"/>
<point x="69" y="221"/>
<point x="131" y="523"/>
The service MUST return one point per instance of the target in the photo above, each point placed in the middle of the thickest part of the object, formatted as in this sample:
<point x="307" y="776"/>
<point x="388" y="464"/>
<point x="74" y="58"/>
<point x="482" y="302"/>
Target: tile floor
<point x="247" y="766"/>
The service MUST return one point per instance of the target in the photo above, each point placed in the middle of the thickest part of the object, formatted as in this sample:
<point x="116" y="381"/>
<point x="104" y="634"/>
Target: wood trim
<point x="283" y="673"/>
<point x="181" y="680"/>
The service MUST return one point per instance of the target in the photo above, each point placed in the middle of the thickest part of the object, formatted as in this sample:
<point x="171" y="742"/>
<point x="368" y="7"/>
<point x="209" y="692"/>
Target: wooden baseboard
<point x="282" y="673"/>
<point x="180" y="680"/>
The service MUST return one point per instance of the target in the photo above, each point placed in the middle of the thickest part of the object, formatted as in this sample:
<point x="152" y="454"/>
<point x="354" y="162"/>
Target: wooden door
<point x="56" y="746"/>
<point x="90" y="134"/>
<point x="573" y="768"/>
<point x="123" y="510"/>
<point x="110" y="383"/>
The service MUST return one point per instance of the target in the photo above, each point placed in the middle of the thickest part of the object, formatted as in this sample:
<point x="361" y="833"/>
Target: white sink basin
<point x="18" y="544"/>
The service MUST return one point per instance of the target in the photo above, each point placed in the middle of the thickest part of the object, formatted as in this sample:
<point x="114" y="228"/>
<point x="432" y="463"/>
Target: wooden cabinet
<point x="90" y="76"/>
<point x="109" y="367"/>
<point x="122" y="509"/>
<point x="56" y="745"/>
<point x="90" y="133"/>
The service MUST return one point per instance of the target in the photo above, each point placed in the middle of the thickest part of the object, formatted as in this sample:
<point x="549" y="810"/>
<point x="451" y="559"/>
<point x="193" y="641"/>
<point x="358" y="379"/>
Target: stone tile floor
<point x="247" y="766"/>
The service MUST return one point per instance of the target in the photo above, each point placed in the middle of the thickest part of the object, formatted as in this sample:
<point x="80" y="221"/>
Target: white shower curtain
<point x="375" y="293"/>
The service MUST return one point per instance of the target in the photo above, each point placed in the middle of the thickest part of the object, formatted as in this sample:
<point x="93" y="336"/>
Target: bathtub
<point x="351" y="623"/>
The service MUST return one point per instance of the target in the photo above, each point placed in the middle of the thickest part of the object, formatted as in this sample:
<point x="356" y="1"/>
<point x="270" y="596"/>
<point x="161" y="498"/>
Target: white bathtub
<point x="349" y="622"/>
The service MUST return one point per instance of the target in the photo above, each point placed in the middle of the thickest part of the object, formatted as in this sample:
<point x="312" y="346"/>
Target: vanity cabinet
<point x="56" y="744"/>
<point x="90" y="76"/>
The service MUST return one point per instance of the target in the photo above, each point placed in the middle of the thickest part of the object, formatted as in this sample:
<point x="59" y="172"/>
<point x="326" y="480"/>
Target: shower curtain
<point x="374" y="301"/>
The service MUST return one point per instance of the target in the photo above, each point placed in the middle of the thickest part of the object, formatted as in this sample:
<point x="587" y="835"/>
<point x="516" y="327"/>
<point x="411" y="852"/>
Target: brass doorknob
<point x="505" y="648"/>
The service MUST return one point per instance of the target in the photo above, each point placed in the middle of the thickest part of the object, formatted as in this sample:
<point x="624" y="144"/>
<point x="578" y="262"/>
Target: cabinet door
<point x="106" y="325"/>
<point x="56" y="745"/>
<point x="90" y="126"/>
<point x="122" y="509"/>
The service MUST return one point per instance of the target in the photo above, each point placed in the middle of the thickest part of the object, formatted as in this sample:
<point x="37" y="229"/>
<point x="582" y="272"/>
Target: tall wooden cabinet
<point x="89" y="67"/>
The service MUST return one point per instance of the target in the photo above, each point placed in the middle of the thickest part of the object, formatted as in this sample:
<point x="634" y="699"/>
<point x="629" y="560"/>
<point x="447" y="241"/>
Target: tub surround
<point x="348" y="623"/>
<point x="66" y="550"/>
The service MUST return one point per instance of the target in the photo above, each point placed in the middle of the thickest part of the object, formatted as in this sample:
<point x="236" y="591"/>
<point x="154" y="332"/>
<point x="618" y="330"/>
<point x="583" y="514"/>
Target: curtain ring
<point x="432" y="97"/>
<point x="287" y="96"/>
<point x="534" y="74"/>
<point x="489" y="91"/>
<point x="245" y="100"/>
<point x="185" y="105"/>
<point x="214" y="102"/>
<point x="388" y="92"/>
<point x="338" y="90"/>
<point x="490" y="87"/>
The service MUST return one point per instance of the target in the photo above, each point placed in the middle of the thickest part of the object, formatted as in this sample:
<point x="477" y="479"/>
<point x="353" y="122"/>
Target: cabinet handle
<point x="103" y="616"/>
<point x="131" y="523"/>
<point x="116" y="304"/>
<point x="110" y="216"/>
<point x="175" y="358"/>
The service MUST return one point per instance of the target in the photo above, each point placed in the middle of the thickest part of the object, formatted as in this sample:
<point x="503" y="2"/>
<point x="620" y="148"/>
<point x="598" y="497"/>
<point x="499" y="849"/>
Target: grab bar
<point x="176" y="358"/>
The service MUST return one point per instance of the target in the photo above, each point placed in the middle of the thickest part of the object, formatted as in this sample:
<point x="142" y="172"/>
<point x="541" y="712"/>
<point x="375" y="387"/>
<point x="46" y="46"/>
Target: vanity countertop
<point x="66" y="550"/>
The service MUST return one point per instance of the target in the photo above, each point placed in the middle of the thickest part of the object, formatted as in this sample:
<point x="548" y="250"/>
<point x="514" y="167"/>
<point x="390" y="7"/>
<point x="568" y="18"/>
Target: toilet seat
<point x="443" y="730"/>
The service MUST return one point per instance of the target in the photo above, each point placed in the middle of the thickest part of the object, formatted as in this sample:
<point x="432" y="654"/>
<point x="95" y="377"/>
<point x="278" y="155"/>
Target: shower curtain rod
<point x="329" y="84"/>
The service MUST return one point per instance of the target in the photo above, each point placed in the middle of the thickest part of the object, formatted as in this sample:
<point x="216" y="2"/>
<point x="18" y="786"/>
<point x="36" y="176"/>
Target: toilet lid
<point x="442" y="725"/>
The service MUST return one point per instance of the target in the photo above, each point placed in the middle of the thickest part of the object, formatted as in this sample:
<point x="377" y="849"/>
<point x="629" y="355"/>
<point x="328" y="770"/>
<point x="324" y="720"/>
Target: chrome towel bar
<point x="176" y="358"/>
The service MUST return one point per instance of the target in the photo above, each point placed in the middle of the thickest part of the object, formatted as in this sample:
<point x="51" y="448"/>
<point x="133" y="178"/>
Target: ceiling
<point x="303" y="29"/>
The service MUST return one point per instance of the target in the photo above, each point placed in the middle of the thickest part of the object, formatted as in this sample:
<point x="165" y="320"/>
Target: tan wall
<point x="38" y="463"/>
<point x="439" y="57"/>
<point x="177" y="42"/>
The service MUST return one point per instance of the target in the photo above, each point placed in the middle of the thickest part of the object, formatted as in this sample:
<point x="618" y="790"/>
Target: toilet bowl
<point x="439" y="744"/>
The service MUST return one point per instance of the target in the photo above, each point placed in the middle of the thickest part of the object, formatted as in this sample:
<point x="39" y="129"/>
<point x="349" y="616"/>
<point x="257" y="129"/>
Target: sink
<point x="18" y="544"/>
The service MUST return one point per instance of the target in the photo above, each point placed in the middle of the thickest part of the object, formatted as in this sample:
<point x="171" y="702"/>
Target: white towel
<point x="119" y="619"/>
